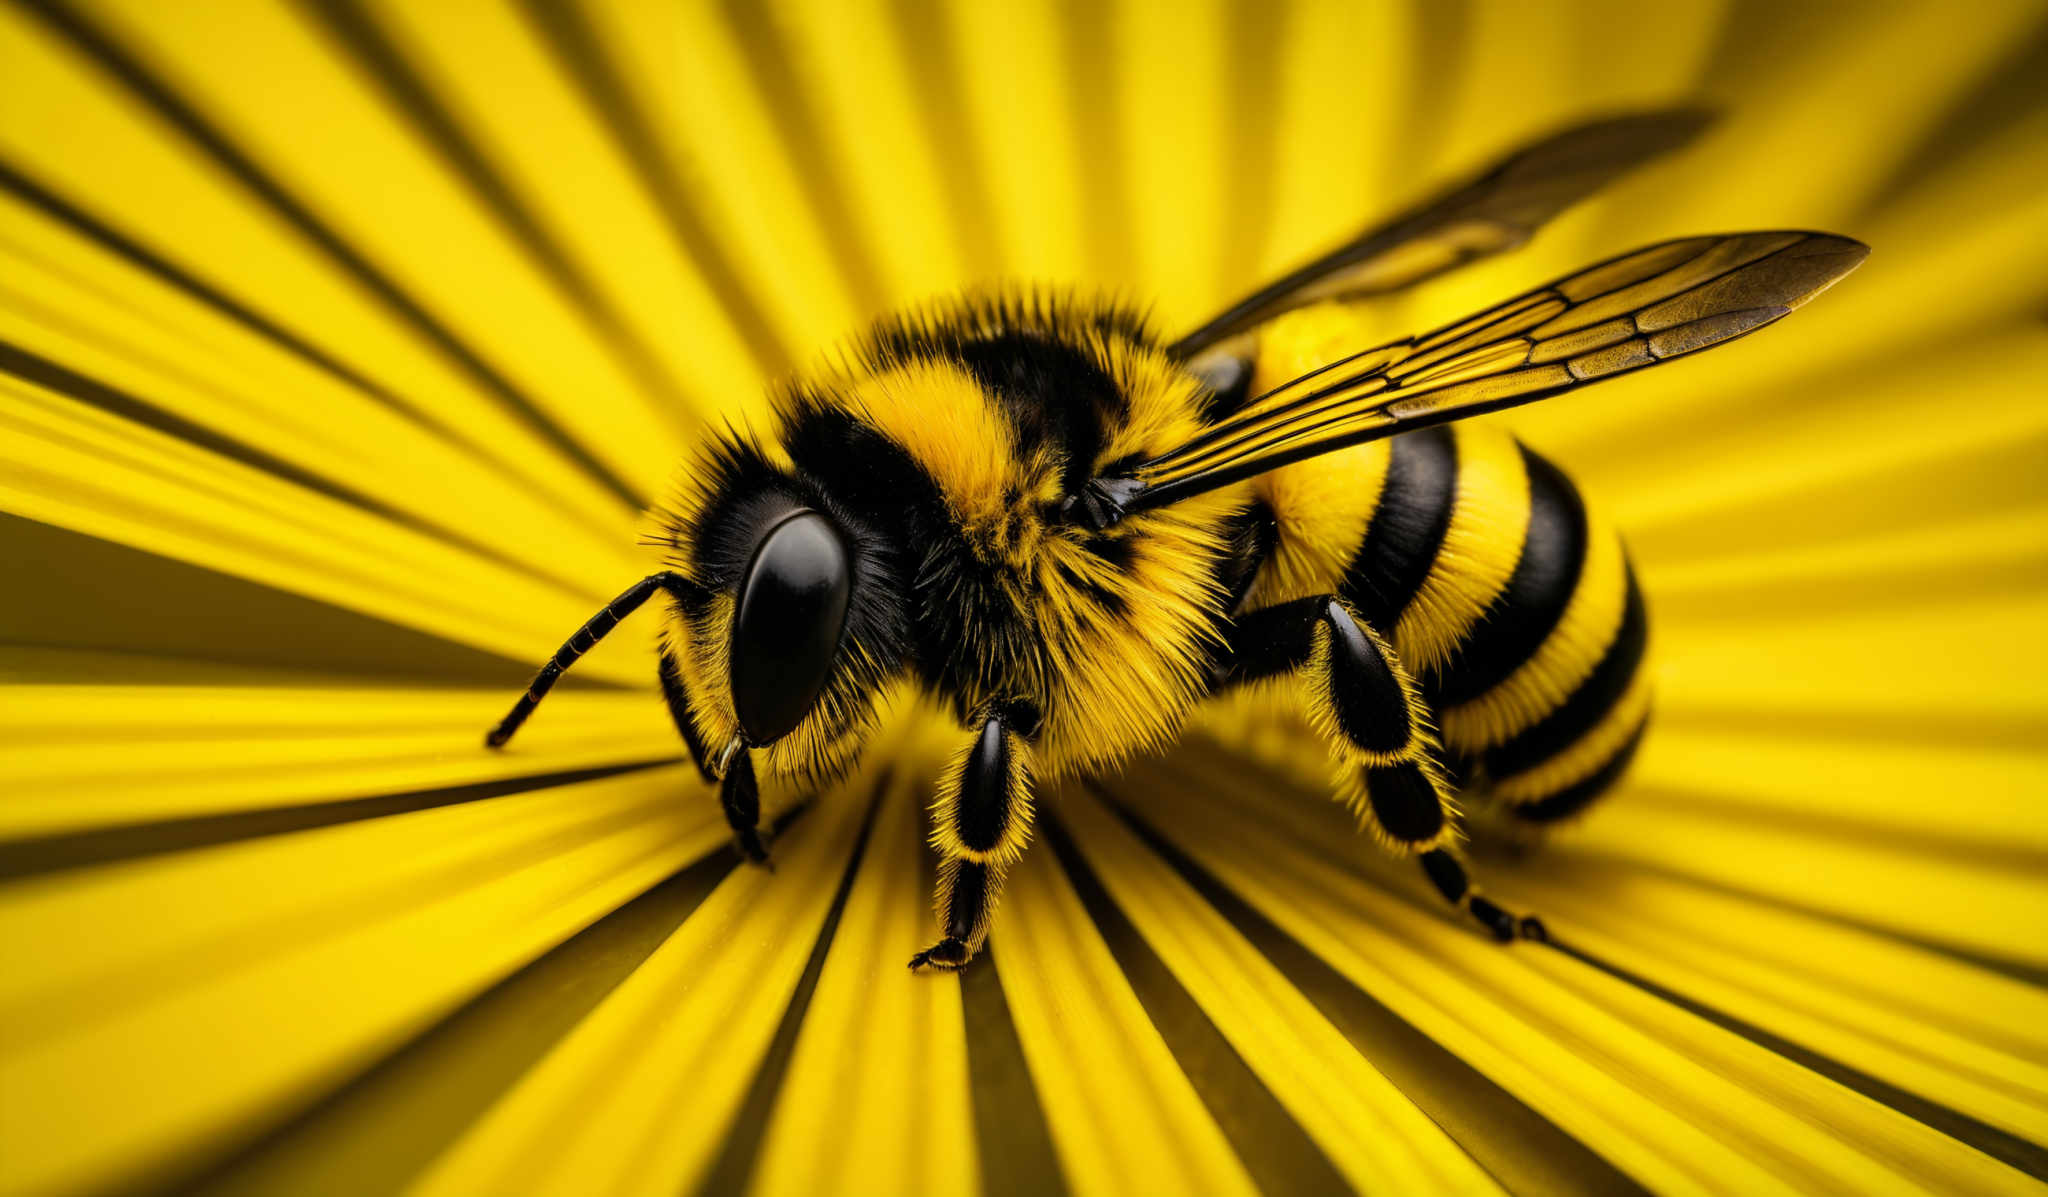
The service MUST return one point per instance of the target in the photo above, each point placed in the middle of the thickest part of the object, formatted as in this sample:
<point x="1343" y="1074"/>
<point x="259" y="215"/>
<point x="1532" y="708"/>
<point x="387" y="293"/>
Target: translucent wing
<point x="1625" y="314"/>
<point x="1495" y="212"/>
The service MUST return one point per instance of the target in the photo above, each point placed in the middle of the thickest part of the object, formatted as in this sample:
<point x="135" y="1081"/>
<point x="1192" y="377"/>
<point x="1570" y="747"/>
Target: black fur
<point x="1588" y="705"/>
<point x="1575" y="798"/>
<point x="1252" y="535"/>
<point x="1407" y="528"/>
<point x="1371" y="707"/>
<point x="1054" y="391"/>
<point x="1404" y="802"/>
<point x="1527" y="609"/>
<point x="983" y="811"/>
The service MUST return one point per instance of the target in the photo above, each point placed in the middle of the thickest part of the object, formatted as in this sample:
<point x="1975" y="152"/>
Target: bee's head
<point x="796" y="626"/>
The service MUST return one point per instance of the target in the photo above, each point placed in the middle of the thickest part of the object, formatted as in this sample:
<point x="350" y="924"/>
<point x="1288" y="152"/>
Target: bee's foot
<point x="948" y="953"/>
<point x="1493" y="918"/>
<point x="749" y="842"/>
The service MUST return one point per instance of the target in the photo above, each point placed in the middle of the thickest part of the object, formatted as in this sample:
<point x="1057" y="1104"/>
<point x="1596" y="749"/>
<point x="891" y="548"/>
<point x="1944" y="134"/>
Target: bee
<point x="1070" y="532"/>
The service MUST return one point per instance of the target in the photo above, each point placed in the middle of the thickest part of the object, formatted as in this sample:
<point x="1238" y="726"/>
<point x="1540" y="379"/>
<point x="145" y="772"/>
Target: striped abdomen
<point x="1516" y="608"/>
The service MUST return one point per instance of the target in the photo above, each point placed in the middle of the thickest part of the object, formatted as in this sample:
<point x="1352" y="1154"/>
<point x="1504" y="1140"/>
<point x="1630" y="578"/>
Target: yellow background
<point x="340" y="341"/>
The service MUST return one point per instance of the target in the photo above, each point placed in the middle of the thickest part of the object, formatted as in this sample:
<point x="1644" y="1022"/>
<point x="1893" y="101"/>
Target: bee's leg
<point x="579" y="643"/>
<point x="981" y="822"/>
<point x="1377" y="724"/>
<point x="1447" y="873"/>
<point x="740" y="797"/>
<point x="679" y="710"/>
<point x="738" y="793"/>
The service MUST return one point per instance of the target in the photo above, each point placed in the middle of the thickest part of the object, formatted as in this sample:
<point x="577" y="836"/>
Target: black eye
<point x="792" y="606"/>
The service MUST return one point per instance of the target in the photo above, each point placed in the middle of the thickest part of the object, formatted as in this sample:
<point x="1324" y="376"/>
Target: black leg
<point x="967" y="893"/>
<point x="741" y="798"/>
<point x="1377" y="724"/>
<point x="1447" y="873"/>
<point x="1364" y="702"/>
<point x="579" y="643"/>
<point x="679" y="710"/>
<point x="981" y="824"/>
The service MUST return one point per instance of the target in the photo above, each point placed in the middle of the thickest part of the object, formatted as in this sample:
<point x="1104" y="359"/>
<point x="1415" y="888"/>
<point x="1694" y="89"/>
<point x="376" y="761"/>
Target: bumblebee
<point x="1071" y="532"/>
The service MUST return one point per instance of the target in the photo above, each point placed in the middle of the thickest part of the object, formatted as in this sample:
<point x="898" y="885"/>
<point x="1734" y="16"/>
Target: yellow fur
<point x="1017" y="798"/>
<point x="939" y="415"/>
<point x="1585" y="757"/>
<point x="1349" y="762"/>
<point x="1324" y="504"/>
<point x="1352" y="791"/>
<point x="942" y="898"/>
<point x="1479" y="549"/>
<point x="1109" y="684"/>
<point x="1322" y="712"/>
<point x="1589" y="624"/>
<point x="1324" y="507"/>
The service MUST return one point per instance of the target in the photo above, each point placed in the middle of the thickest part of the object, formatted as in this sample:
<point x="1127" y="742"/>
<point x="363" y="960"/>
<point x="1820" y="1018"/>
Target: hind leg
<point x="1373" y="717"/>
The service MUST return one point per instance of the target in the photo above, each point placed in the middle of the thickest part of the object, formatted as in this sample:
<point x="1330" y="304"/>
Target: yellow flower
<point x="341" y="343"/>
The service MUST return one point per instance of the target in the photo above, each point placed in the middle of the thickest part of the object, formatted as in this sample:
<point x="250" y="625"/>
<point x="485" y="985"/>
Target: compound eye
<point x="791" y="609"/>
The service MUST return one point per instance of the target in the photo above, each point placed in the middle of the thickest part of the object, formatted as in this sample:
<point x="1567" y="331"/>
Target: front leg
<point x="739" y="793"/>
<point x="1372" y="714"/>
<point x="981" y="823"/>
<point x="678" y="700"/>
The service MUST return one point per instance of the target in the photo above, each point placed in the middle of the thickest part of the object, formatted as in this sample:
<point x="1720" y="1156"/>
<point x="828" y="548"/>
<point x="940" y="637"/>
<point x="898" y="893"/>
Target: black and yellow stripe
<point x="1509" y="600"/>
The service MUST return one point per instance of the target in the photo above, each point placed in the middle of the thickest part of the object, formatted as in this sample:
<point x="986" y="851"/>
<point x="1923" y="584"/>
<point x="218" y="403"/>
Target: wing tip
<point x="1824" y="259"/>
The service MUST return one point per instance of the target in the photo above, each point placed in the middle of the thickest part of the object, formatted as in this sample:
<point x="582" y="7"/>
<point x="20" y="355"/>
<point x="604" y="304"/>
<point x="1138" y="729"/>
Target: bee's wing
<point x="1495" y="212"/>
<point x="1625" y="314"/>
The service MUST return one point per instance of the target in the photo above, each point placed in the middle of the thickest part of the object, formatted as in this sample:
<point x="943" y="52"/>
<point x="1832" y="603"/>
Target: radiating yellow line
<point x="1022" y="121"/>
<point x="1989" y="798"/>
<point x="1174" y="150"/>
<point x="300" y="420"/>
<point x="82" y="757"/>
<point x="1419" y="969"/>
<point x="1373" y="1133"/>
<point x="2001" y="1013"/>
<point x="1912" y="1053"/>
<point x="1334" y="147"/>
<point x="140" y="174"/>
<point x="453" y="491"/>
<point x="878" y="1086"/>
<point x="1885" y="446"/>
<point x="1975" y="661"/>
<point x="864" y="70"/>
<point x="439" y="243"/>
<point x="225" y="984"/>
<point x="639" y="1097"/>
<point x="65" y="464"/>
<point x="1594" y="1041"/>
<point x="1123" y="1116"/>
<point x="1962" y="556"/>
<point x="1811" y="1125"/>
<point x="1821" y="111"/>
<point x="1981" y="906"/>
<point x="725" y="151"/>
<point x="1931" y="285"/>
<point x="487" y="62"/>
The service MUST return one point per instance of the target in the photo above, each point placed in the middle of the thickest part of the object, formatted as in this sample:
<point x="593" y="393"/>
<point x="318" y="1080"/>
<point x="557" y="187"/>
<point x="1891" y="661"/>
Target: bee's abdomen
<point x="1552" y="768"/>
<point x="1516" y="607"/>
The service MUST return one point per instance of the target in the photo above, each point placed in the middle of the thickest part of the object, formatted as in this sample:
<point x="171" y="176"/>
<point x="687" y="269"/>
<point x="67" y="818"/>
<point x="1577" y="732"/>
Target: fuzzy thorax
<point x="942" y="445"/>
<point x="1105" y="634"/>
